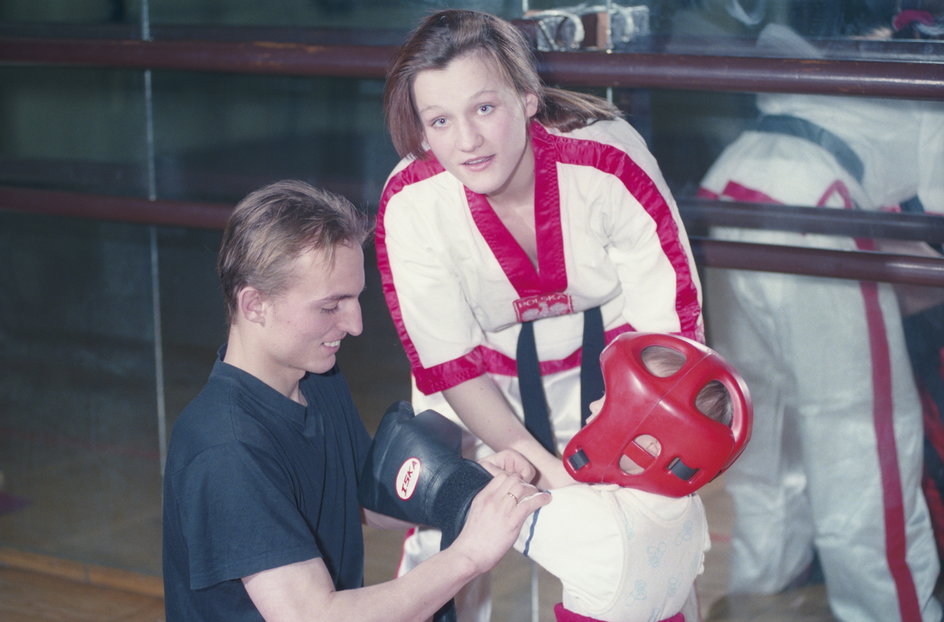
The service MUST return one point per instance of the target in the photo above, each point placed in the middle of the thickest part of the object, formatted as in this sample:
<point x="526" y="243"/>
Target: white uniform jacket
<point x="622" y="555"/>
<point x="458" y="285"/>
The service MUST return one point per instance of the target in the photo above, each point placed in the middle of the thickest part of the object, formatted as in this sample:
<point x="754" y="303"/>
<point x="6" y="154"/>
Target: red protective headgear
<point x="694" y="448"/>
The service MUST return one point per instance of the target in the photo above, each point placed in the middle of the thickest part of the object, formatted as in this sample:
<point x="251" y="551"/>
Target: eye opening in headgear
<point x="712" y="400"/>
<point x="662" y="361"/>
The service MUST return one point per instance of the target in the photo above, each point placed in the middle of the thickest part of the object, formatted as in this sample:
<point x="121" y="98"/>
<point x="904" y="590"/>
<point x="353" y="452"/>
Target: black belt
<point x="534" y="402"/>
<point x="837" y="147"/>
<point x="801" y="128"/>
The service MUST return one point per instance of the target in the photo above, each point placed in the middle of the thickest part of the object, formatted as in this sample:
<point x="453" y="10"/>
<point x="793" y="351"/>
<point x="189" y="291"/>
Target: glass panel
<point x="73" y="129"/>
<point x="220" y="136"/>
<point x="730" y="27"/>
<point x="68" y="11"/>
<point x="191" y="312"/>
<point x="360" y="14"/>
<point x="78" y="450"/>
<point x="847" y="30"/>
<point x="844" y="30"/>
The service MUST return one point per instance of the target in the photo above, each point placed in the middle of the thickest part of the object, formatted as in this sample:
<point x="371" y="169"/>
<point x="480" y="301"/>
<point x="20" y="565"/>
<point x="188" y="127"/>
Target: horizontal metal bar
<point x="911" y="80"/>
<point x="116" y="208"/>
<point x="697" y="214"/>
<point x="700" y="213"/>
<point x="747" y="74"/>
<point x="857" y="265"/>
<point x="253" y="57"/>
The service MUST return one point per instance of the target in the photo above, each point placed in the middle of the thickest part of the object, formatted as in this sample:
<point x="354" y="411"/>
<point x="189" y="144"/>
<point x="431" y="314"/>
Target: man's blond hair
<point x="275" y="224"/>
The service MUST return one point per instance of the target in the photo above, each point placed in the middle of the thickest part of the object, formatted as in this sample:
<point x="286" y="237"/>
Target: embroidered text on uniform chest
<point x="542" y="306"/>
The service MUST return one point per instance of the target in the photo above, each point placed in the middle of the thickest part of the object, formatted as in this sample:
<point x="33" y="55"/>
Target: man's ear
<point x="252" y="305"/>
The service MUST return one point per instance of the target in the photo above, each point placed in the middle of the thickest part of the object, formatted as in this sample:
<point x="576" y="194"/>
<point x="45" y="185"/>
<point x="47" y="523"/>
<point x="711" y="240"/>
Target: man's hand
<point x="495" y="518"/>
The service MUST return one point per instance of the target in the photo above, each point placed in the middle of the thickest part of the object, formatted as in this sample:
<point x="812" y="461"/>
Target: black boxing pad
<point x="415" y="471"/>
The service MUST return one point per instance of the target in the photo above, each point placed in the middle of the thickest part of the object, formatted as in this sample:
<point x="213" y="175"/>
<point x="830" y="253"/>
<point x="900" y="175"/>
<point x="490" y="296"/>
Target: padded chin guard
<point x="415" y="471"/>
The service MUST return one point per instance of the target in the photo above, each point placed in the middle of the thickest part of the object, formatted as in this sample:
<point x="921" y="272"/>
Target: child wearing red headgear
<point x="628" y="547"/>
<point x="627" y="542"/>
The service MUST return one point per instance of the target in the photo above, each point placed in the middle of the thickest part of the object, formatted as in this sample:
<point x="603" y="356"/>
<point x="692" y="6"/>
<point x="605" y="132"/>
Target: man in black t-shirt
<point x="261" y="516"/>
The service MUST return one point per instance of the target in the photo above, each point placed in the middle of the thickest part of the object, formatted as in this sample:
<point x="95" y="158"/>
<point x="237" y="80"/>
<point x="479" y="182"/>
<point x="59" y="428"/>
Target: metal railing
<point x="873" y="78"/>
<point x="901" y="79"/>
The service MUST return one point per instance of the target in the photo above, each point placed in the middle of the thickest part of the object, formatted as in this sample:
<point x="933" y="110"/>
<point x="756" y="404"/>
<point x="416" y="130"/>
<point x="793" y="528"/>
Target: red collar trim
<point x="551" y="274"/>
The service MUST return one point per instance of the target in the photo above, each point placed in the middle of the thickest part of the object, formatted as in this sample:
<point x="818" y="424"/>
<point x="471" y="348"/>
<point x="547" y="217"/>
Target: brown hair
<point x="447" y="35"/>
<point x="275" y="224"/>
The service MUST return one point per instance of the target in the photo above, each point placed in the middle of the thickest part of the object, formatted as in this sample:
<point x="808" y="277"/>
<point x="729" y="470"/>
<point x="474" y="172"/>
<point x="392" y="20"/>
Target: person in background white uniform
<point x="923" y="307"/>
<point x="833" y="472"/>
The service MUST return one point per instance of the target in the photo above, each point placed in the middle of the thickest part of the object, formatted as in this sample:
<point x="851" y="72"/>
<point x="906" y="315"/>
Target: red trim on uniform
<point x="882" y="410"/>
<point x="547" y="210"/>
<point x="494" y="362"/>
<point x="551" y="275"/>
<point x="416" y="171"/>
<point x="565" y="615"/>
<point x="498" y="363"/>
<point x="896" y="545"/>
<point x="446" y="375"/>
<point x="908" y="17"/>
<point x="883" y="418"/>
<point x="738" y="192"/>
<point x="640" y="185"/>
<point x="512" y="258"/>
<point x="406" y="536"/>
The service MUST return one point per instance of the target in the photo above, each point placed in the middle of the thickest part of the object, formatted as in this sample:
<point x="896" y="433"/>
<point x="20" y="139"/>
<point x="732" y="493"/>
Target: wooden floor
<point x="29" y="596"/>
<point x="80" y="594"/>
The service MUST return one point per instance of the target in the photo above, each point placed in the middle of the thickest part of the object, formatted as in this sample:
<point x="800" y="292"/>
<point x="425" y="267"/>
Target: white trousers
<point x="834" y="462"/>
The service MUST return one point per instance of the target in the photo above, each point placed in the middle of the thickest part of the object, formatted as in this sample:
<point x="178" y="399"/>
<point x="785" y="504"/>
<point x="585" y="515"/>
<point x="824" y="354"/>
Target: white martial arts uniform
<point x="458" y="284"/>
<point x="622" y="555"/>
<point x="834" y="461"/>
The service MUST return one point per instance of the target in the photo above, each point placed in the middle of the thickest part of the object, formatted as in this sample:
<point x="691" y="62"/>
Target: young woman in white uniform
<point x="518" y="211"/>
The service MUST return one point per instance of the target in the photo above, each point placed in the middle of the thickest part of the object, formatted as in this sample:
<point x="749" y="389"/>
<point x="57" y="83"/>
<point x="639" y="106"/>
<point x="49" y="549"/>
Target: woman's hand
<point x="552" y="473"/>
<point x="509" y="461"/>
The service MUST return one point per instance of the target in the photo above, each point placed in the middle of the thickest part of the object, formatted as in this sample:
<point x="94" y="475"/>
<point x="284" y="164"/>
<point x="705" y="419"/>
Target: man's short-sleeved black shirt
<point x="254" y="481"/>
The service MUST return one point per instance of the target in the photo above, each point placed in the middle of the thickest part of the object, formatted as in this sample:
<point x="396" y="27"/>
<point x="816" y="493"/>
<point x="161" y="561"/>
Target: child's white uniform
<point x="622" y="555"/>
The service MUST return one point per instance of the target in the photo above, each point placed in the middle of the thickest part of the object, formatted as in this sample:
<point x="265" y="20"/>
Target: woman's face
<point x="476" y="124"/>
